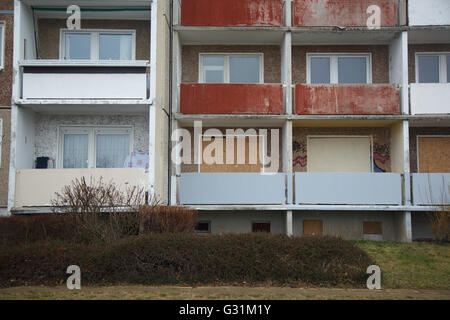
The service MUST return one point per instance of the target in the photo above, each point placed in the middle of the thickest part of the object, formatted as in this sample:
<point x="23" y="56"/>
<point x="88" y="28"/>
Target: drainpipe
<point x="169" y="158"/>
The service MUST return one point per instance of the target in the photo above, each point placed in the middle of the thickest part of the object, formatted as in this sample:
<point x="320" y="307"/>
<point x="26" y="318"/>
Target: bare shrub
<point x="102" y="211"/>
<point x="167" y="219"/>
<point x="440" y="223"/>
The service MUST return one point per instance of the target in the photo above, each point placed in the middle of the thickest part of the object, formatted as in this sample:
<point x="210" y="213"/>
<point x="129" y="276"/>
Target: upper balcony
<point x="256" y="13"/>
<point x="100" y="64"/>
<point x="349" y="13"/>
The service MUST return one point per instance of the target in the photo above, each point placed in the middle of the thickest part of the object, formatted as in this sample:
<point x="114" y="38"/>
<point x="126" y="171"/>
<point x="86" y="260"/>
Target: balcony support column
<point x="289" y="224"/>
<point x="404" y="226"/>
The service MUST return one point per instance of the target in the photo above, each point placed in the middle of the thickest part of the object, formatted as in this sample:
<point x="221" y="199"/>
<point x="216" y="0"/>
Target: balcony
<point x="347" y="99"/>
<point x="348" y="188"/>
<point x="349" y="13"/>
<point x="430" y="98"/>
<point x="232" y="13"/>
<point x="37" y="187"/>
<point x="431" y="188"/>
<point x="84" y="80"/>
<point x="232" y="189"/>
<point x="231" y="99"/>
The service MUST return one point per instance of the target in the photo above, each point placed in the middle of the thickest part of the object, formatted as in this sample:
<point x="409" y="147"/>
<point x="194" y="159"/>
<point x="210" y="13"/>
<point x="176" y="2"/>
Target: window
<point x="94" y="147"/>
<point x="98" y="45"/>
<point x="2" y="44"/>
<point x="234" y="68"/>
<point x="312" y="227"/>
<point x="433" y="68"/>
<point x="333" y="69"/>
<point x="261" y="227"/>
<point x="374" y="227"/>
<point x="203" y="227"/>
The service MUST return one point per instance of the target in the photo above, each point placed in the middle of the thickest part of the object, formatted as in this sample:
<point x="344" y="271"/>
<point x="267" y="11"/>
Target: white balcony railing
<point x="431" y="188"/>
<point x="65" y="80"/>
<point x="430" y="98"/>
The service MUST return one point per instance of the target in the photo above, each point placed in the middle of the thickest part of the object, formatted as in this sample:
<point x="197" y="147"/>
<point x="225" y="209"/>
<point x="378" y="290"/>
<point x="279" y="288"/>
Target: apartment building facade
<point x="357" y="108"/>
<point x="6" y="52"/>
<point x="88" y="99"/>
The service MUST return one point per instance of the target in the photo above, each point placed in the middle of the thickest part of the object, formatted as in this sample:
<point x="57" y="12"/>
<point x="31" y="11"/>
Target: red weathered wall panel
<point x="232" y="12"/>
<point x="347" y="99"/>
<point x="343" y="13"/>
<point x="231" y="98"/>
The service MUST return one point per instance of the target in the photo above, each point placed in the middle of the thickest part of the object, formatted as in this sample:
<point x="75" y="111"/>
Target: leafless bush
<point x="102" y="211"/>
<point x="167" y="219"/>
<point x="440" y="223"/>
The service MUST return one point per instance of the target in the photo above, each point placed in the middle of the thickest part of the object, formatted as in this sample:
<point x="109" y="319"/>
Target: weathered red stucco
<point x="231" y="12"/>
<point x="347" y="99"/>
<point x="343" y="13"/>
<point x="231" y="98"/>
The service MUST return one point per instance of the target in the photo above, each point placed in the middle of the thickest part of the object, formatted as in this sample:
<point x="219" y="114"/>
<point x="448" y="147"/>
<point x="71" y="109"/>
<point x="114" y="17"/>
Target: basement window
<point x="203" y="227"/>
<point x="94" y="147"/>
<point x="2" y="44"/>
<point x="433" y="68"/>
<point x="339" y="69"/>
<point x="231" y="68"/>
<point x="98" y="44"/>
<point x="261" y="227"/>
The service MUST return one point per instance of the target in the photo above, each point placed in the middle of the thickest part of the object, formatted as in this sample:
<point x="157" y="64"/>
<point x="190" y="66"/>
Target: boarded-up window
<point x="261" y="227"/>
<point x="434" y="154"/>
<point x="312" y="227"/>
<point x="339" y="154"/>
<point x="234" y="162"/>
<point x="372" y="227"/>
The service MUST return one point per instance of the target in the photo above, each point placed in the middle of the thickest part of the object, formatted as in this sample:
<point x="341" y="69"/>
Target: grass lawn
<point x="409" y="271"/>
<point x="415" y="265"/>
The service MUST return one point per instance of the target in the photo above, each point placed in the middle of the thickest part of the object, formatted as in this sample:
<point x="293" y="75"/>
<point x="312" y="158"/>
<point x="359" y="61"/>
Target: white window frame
<point x="95" y="41"/>
<point x="372" y="164"/>
<point x="2" y="51"/>
<point x="92" y="132"/>
<point x="201" y="68"/>
<point x="334" y="64"/>
<point x="442" y="64"/>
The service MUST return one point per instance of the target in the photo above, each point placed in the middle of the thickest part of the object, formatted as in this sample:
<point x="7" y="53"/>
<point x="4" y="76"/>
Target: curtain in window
<point x="112" y="149"/>
<point x="78" y="46"/>
<point x="75" y="151"/>
<point x="115" y="47"/>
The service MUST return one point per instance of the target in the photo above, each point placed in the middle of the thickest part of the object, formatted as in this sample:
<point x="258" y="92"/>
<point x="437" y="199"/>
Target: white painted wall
<point x="25" y="136"/>
<point x="430" y="98"/>
<point x="27" y="35"/>
<point x="429" y="12"/>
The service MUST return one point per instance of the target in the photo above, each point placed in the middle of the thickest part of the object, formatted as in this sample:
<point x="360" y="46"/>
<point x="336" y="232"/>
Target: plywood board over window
<point x="251" y="163"/>
<point x="433" y="154"/>
<point x="339" y="154"/>
<point x="372" y="227"/>
<point x="312" y="227"/>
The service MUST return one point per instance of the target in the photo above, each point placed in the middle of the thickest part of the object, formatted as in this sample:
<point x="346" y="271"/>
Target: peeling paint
<point x="343" y="13"/>
<point x="232" y="98"/>
<point x="232" y="13"/>
<point x="347" y="99"/>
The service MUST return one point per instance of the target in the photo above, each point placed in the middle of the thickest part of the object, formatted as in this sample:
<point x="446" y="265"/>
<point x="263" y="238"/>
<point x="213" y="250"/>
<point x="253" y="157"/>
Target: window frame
<point x="442" y="65"/>
<point x="201" y="76"/>
<point x="334" y="65"/>
<point x="2" y="43"/>
<point x="203" y="232"/>
<point x="92" y="132"/>
<point x="95" y="42"/>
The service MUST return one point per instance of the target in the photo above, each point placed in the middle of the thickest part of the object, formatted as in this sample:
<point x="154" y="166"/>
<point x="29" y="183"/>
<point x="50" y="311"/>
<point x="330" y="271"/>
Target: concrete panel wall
<point x="431" y="188"/>
<point x="241" y="221"/>
<point x="232" y="188"/>
<point x="49" y="35"/>
<point x="47" y="130"/>
<point x="381" y="144"/>
<point x="428" y="98"/>
<point x="429" y="12"/>
<point x="380" y="59"/>
<point x="232" y="12"/>
<point x="272" y="60"/>
<point x="348" y="188"/>
<point x="37" y="187"/>
<point x="348" y="225"/>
